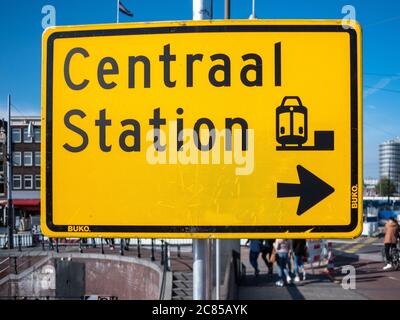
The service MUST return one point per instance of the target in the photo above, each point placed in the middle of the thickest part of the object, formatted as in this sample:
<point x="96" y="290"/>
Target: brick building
<point x="26" y="169"/>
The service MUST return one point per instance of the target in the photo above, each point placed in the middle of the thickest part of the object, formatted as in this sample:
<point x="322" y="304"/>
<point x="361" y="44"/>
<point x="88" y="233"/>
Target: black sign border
<point x="161" y="229"/>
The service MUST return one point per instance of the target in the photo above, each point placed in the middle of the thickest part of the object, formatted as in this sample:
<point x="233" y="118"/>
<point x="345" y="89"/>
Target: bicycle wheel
<point x="395" y="260"/>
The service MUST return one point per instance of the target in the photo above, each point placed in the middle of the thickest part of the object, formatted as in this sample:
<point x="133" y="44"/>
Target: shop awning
<point x="26" y="202"/>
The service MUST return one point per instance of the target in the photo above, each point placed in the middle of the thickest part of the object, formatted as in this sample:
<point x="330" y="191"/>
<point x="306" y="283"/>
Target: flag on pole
<point x="123" y="9"/>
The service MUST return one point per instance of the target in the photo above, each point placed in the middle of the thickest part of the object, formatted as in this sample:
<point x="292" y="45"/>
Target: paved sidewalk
<point x="317" y="286"/>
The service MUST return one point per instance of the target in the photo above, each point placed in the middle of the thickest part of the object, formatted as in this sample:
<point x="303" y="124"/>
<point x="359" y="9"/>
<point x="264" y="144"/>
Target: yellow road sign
<point x="231" y="129"/>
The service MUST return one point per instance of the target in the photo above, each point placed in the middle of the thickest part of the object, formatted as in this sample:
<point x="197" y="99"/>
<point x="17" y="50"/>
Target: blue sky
<point x="20" y="55"/>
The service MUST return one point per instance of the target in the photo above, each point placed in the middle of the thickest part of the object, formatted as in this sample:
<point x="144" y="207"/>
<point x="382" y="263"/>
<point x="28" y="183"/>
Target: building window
<point x="27" y="159"/>
<point x="16" y="157"/>
<point x="37" y="182"/>
<point x="16" y="135"/>
<point x="17" y="182"/>
<point x="28" y="181"/>
<point x="2" y="185"/>
<point x="1" y="162"/>
<point x="37" y="158"/>
<point x="36" y="133"/>
<point x="26" y="138"/>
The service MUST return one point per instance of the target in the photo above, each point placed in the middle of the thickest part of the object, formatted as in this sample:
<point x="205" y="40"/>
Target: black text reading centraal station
<point x="219" y="75"/>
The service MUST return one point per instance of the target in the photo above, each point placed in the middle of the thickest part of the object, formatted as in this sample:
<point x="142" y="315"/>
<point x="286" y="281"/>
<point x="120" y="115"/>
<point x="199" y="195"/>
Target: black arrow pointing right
<point x="311" y="190"/>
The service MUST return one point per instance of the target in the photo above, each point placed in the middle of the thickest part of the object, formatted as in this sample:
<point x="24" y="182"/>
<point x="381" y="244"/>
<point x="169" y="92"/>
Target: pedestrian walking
<point x="255" y="247"/>
<point x="299" y="252"/>
<point x="289" y="263"/>
<point x="267" y="246"/>
<point x="283" y="249"/>
<point x="51" y="247"/>
<point x="390" y="241"/>
<point x="127" y="242"/>
<point x="110" y="242"/>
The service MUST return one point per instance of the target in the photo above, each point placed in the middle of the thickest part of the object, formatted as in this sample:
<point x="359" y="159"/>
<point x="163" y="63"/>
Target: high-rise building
<point x="389" y="161"/>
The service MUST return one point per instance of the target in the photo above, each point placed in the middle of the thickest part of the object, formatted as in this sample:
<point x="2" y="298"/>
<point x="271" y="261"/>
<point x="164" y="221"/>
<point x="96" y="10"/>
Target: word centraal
<point x="219" y="74"/>
<point x="171" y="142"/>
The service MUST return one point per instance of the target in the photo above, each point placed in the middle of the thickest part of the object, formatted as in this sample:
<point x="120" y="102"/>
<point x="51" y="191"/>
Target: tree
<point x="385" y="187"/>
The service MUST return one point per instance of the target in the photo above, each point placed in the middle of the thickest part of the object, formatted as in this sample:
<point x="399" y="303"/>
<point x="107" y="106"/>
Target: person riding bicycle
<point x="390" y="241"/>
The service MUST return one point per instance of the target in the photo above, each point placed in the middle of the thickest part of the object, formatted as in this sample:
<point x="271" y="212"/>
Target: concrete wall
<point x="227" y="246"/>
<point x="39" y="280"/>
<point x="105" y="275"/>
<point x="125" y="280"/>
<point x="229" y="288"/>
<point x="229" y="255"/>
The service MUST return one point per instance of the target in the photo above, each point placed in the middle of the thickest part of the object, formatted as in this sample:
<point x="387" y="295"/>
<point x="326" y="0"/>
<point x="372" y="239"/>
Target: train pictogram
<point x="292" y="128"/>
<point x="292" y="121"/>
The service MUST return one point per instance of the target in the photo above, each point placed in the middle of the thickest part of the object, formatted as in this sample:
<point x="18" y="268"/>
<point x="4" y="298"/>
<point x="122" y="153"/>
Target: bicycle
<point x="394" y="257"/>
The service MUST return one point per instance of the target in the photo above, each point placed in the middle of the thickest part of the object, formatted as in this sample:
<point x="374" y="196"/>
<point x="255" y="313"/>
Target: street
<point x="363" y="253"/>
<point x="372" y="282"/>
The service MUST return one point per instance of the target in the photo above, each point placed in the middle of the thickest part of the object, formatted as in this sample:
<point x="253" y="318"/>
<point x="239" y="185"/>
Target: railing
<point x="86" y="297"/>
<point x="123" y="245"/>
<point x="20" y="241"/>
<point x="165" y="262"/>
<point x="30" y="240"/>
<point x="23" y="262"/>
<point x="16" y="264"/>
<point x="82" y="245"/>
<point x="5" y="267"/>
<point x="41" y="298"/>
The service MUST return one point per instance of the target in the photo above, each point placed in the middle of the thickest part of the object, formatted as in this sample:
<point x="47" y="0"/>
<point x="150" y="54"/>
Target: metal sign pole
<point x="217" y="268"/>
<point x="227" y="15"/>
<point x="199" y="256"/>
<point x="117" y="11"/>
<point x="227" y="9"/>
<point x="202" y="10"/>
<point x="209" y="269"/>
<point x="10" y="207"/>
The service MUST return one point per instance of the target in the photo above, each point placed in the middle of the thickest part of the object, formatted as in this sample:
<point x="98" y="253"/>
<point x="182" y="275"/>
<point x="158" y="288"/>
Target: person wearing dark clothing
<point x="51" y="247"/>
<point x="127" y="242"/>
<point x="255" y="246"/>
<point x="299" y="251"/>
<point x="266" y="249"/>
